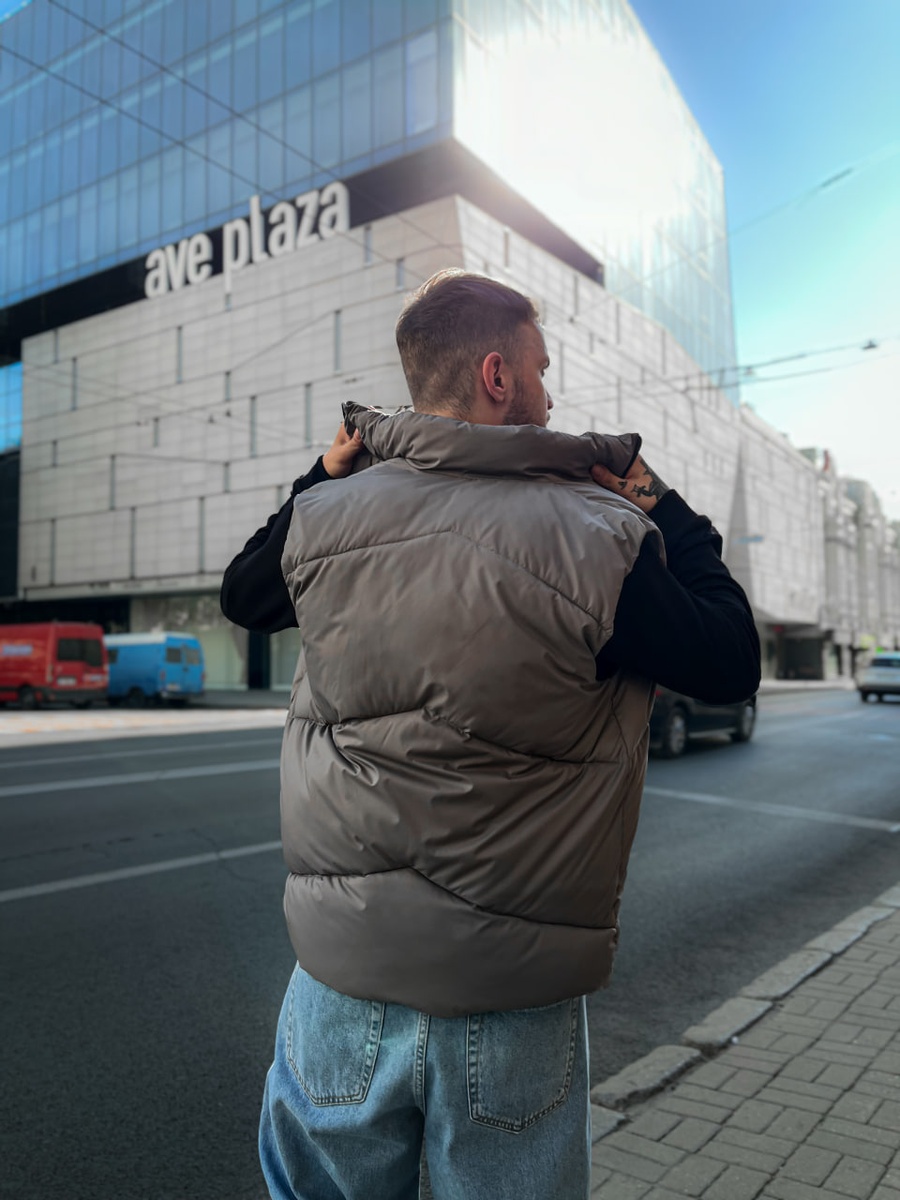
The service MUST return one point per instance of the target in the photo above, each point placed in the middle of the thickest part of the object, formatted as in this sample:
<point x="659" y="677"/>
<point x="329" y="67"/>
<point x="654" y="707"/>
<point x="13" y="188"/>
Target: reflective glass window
<point x="418" y="14"/>
<point x="32" y="248"/>
<point x="15" y="251"/>
<point x="327" y="122"/>
<point x="195" y="179"/>
<point x="128" y="207"/>
<point x="244" y="173"/>
<point x="129" y="129"/>
<point x="271" y="146"/>
<point x="109" y="71"/>
<point x="355" y="32"/>
<point x="298" y="135"/>
<point x="108" y="224"/>
<point x="298" y="43"/>
<point x="387" y="22"/>
<point x="151" y="33"/>
<point x="244" y="11"/>
<point x="173" y="33"/>
<point x="387" y="96"/>
<point x="109" y="141"/>
<point x="36" y="99"/>
<point x="149" y="196"/>
<point x="357" y="109"/>
<point x="196" y="31"/>
<point x="326" y="35"/>
<point x="194" y="88"/>
<point x="87" y="223"/>
<point x="51" y="188"/>
<point x="220" y="18"/>
<point x="218" y="168"/>
<point x="150" y="117"/>
<point x="172" y="175"/>
<point x="271" y="57"/>
<point x="219" y="80"/>
<point x="50" y="246"/>
<point x="421" y="82"/>
<point x="172" y="107"/>
<point x="35" y="181"/>
<point x="244" y="71"/>
<point x="17" y="178"/>
<point x="68" y="234"/>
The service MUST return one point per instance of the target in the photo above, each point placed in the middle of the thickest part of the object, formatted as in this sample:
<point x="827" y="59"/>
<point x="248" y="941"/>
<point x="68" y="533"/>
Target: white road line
<point x="170" y="864"/>
<point x="170" y="749"/>
<point x="778" y="810"/>
<point x="98" y="781"/>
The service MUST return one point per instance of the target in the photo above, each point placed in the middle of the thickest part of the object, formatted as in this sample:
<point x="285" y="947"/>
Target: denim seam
<point x="476" y="1111"/>
<point x="424" y="1028"/>
<point x="373" y="1042"/>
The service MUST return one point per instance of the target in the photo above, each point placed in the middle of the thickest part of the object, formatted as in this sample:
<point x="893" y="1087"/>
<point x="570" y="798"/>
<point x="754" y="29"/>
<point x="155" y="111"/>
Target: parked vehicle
<point x="49" y="661"/>
<point x="149" y="667"/>
<point x="676" y="718"/>
<point x="881" y="677"/>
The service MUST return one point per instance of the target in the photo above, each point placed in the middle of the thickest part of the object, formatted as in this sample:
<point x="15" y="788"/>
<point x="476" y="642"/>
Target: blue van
<point x="149" y="667"/>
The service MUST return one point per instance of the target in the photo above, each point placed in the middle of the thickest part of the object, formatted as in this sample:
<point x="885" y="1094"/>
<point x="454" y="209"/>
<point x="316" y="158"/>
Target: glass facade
<point x="10" y="406"/>
<point x="128" y="124"/>
<point x="569" y="102"/>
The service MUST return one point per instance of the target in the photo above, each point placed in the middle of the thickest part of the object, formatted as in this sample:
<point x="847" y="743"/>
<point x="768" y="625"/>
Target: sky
<point x="790" y="94"/>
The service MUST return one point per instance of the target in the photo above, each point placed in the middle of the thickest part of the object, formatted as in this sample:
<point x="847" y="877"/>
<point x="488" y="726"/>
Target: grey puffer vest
<point x="459" y="792"/>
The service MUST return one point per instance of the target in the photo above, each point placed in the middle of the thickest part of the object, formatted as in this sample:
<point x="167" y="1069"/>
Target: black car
<point x="675" y="718"/>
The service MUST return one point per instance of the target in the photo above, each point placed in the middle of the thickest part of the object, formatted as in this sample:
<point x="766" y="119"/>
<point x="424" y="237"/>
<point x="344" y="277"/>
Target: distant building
<point x="210" y="215"/>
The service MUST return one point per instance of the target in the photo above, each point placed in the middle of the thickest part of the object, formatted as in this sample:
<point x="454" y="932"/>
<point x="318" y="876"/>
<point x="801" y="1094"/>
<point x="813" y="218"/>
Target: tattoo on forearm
<point x="650" y="483"/>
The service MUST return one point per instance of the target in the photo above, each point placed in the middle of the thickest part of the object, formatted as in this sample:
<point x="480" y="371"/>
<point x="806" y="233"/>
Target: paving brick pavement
<point x="802" y="1102"/>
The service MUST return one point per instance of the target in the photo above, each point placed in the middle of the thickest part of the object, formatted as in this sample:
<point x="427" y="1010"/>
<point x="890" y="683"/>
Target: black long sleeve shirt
<point x="684" y="623"/>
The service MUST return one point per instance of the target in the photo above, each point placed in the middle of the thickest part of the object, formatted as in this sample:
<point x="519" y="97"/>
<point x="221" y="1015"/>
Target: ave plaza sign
<point x="286" y="227"/>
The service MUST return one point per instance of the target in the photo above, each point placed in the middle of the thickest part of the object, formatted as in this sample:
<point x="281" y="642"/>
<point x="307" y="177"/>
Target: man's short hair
<point x="448" y="327"/>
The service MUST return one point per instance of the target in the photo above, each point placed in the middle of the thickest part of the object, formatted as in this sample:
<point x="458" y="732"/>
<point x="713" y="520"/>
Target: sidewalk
<point x="272" y="698"/>
<point x="789" y="1091"/>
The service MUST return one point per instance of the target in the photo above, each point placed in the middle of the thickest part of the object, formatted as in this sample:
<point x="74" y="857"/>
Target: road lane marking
<point x="779" y="810"/>
<point x="170" y="749"/>
<point x="169" y="864"/>
<point x="98" y="781"/>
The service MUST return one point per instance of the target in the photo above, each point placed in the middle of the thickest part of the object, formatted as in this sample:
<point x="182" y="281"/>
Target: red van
<point x="53" y="661"/>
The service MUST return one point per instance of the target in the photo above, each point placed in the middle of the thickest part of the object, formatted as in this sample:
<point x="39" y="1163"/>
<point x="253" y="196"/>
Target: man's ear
<point x="495" y="377"/>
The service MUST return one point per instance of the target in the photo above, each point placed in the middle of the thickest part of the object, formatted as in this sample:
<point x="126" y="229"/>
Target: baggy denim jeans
<point x="500" y="1100"/>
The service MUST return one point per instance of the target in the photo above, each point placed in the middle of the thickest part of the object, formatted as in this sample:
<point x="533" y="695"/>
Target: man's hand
<point x="338" y="461"/>
<point x="641" y="485"/>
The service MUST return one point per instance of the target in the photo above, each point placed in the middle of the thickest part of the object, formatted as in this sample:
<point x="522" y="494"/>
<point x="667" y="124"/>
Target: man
<point x="481" y="614"/>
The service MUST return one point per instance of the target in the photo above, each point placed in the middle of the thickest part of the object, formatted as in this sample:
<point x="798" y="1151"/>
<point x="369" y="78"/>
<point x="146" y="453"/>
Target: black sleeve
<point x="254" y="594"/>
<point x="688" y="624"/>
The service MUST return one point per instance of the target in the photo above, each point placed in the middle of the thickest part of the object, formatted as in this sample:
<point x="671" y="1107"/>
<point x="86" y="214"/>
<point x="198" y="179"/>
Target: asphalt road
<point x="138" y="1011"/>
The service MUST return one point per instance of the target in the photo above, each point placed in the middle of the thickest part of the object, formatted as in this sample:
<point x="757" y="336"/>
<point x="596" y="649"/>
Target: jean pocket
<point x="332" y="1041"/>
<point x="520" y="1063"/>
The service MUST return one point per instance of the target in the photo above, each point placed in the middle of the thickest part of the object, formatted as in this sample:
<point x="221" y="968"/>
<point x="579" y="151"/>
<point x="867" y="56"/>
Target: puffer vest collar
<point x="429" y="442"/>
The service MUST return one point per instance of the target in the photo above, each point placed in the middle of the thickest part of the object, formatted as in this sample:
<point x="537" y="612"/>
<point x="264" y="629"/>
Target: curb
<point x="653" y="1073"/>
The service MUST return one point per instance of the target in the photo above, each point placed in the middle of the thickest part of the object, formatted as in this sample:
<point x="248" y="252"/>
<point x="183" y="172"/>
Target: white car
<point x="881" y="677"/>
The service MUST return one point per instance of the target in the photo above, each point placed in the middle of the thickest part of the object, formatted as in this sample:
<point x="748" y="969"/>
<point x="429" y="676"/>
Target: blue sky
<point x="789" y="93"/>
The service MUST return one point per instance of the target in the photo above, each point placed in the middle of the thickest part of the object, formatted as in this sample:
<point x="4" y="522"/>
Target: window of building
<point x="156" y="431"/>
<point x="367" y="246"/>
<point x="271" y="57"/>
<point x="112" y="481"/>
<point x="73" y="398"/>
<point x="179" y="354"/>
<point x="421" y="83"/>
<point x="226" y="477"/>
<point x="387" y="96"/>
<point x="326" y="34"/>
<point x="337" y="340"/>
<point x="327" y="121"/>
<point x="357" y="110"/>
<point x="54" y="459"/>
<point x="400" y="274"/>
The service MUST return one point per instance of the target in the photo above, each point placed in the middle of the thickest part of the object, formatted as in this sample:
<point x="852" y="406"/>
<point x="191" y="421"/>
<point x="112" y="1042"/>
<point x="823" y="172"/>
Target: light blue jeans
<point x="500" y="1099"/>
